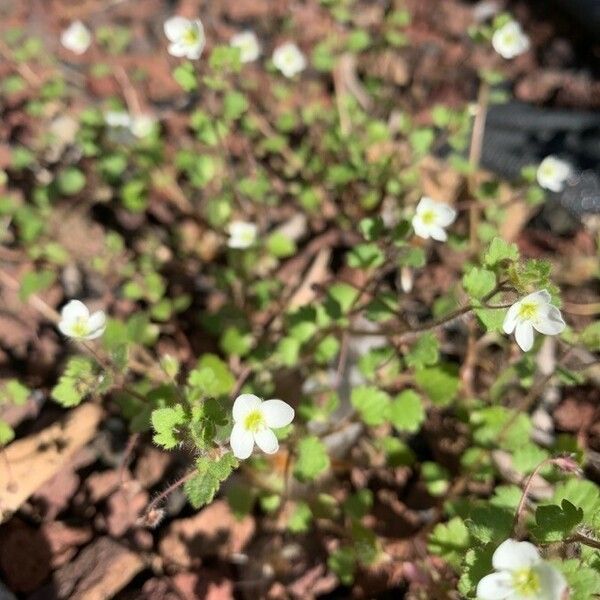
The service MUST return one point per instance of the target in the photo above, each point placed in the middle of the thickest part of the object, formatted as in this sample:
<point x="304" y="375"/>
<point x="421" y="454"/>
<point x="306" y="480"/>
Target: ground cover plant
<point x="267" y="327"/>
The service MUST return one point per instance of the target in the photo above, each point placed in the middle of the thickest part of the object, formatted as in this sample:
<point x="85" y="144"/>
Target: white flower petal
<point x="510" y="320"/>
<point x="244" y="404"/>
<point x="76" y="38"/>
<point x="551" y="323"/>
<point x="289" y="59"/>
<point x="74" y="310"/>
<point x="425" y="203"/>
<point x="510" y="40"/>
<point x="277" y="413"/>
<point x="497" y="586"/>
<point x="97" y="325"/>
<point x="117" y="118"/>
<point x="552" y="581"/>
<point x="175" y="27"/>
<point x="248" y="44"/>
<point x="541" y="297"/>
<point x="524" y="335"/>
<point x="446" y="215"/>
<point x="420" y="228"/>
<point x="177" y="49"/>
<point x="552" y="173"/>
<point x="512" y="555"/>
<point x="241" y="441"/>
<point x="438" y="233"/>
<point x="266" y="441"/>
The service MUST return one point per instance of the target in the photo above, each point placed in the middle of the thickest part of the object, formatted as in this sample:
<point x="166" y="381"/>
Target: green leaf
<point x="7" y="434"/>
<point x="300" y="519"/>
<point x="343" y="563"/>
<point x="70" y="181"/>
<point x="406" y="412"/>
<point x="490" y="523"/>
<point x="212" y="376"/>
<point x="492" y="319"/>
<point x="312" y="459"/>
<point x="235" y="104"/>
<point x="14" y="392"/>
<point x="366" y="256"/>
<point x="590" y="336"/>
<point x="440" y="383"/>
<point x="236" y="342"/>
<point x="185" y="76"/>
<point x="425" y="352"/>
<point x="358" y="504"/>
<point x="340" y="298"/>
<point x="479" y="282"/>
<point x="556" y="523"/>
<point x="475" y="566"/>
<point x="584" y="582"/>
<point x="168" y="424"/>
<point x="582" y="493"/>
<point x="280" y="246"/>
<point x="78" y="381"/>
<point x="500" y="250"/>
<point x="450" y="541"/>
<point x="489" y="422"/>
<point x="201" y="488"/>
<point x="435" y="478"/>
<point x="371" y="403"/>
<point x="35" y="282"/>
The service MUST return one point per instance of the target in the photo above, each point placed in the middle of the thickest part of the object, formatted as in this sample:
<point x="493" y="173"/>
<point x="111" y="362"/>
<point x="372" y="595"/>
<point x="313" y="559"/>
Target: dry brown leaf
<point x="32" y="461"/>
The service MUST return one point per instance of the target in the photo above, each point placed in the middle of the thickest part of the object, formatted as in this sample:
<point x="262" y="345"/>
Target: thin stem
<point x="177" y="484"/>
<point x="474" y="160"/>
<point x="523" y="500"/>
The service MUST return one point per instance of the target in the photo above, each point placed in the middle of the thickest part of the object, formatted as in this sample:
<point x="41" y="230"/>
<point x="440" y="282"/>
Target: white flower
<point x="186" y="36"/>
<point x="289" y="59"/>
<point x="248" y="44"/>
<point x="553" y="173"/>
<point x="510" y="40"/>
<point x="431" y="218"/>
<point x="76" y="321"/>
<point x="242" y="234"/>
<point x="521" y="575"/>
<point x="76" y="37"/>
<point x="533" y="312"/>
<point x="253" y="422"/>
<point x="117" y="118"/>
<point x="139" y="125"/>
<point x="142" y="125"/>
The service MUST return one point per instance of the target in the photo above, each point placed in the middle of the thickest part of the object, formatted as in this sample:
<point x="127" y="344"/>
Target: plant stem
<point x="483" y="99"/>
<point x="523" y="499"/>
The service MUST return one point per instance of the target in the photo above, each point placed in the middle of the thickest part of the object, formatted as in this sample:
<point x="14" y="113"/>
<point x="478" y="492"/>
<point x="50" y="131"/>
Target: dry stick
<point x="131" y="98"/>
<point x="22" y="68"/>
<point x="474" y="159"/>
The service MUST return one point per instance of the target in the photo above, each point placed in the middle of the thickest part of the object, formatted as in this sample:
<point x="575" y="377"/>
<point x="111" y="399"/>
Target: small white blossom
<point x="77" y="322"/>
<point x="242" y="234"/>
<point x="431" y="218"/>
<point x="253" y="422"/>
<point x="248" y="44"/>
<point x="289" y="59"/>
<point x="76" y="37"/>
<point x="139" y="125"/>
<point x="553" y="173"/>
<point x="510" y="40"/>
<point x="521" y="574"/>
<point x="186" y="36"/>
<point x="533" y="312"/>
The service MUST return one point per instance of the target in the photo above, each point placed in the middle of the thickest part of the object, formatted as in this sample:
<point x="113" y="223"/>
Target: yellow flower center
<point x="528" y="310"/>
<point x="80" y="327"/>
<point x="254" y="421"/>
<point x="191" y="37"/>
<point x="428" y="217"/>
<point x="526" y="582"/>
<point x="510" y="39"/>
